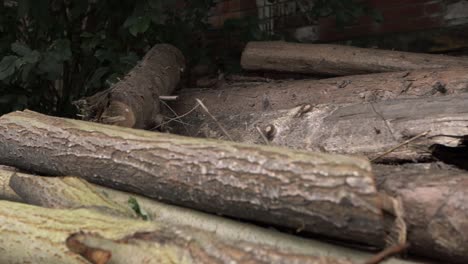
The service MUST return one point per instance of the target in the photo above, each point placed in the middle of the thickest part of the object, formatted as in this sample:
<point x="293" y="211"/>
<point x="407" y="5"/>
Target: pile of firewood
<point x="363" y="162"/>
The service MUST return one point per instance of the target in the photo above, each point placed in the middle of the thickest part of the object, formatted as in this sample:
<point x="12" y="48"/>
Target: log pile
<point x="367" y="165"/>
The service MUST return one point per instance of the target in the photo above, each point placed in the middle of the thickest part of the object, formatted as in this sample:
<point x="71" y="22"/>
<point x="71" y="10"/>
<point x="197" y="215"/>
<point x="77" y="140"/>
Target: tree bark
<point x="336" y="60"/>
<point x="333" y="195"/>
<point x="73" y="192"/>
<point x="90" y="236"/>
<point x="134" y="101"/>
<point x="241" y="98"/>
<point x="6" y="192"/>
<point x="436" y="208"/>
<point x="369" y="129"/>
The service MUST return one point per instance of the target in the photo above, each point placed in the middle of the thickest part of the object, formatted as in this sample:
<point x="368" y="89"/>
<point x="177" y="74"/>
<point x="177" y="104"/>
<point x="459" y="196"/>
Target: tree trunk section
<point x="253" y="97"/>
<point x="436" y="208"/>
<point x="333" y="195"/>
<point x="72" y="192"/>
<point x="90" y="236"/>
<point x="337" y="60"/>
<point x="134" y="101"/>
<point x="369" y="129"/>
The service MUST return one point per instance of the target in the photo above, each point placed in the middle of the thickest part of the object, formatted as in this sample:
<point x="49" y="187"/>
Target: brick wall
<point x="399" y="16"/>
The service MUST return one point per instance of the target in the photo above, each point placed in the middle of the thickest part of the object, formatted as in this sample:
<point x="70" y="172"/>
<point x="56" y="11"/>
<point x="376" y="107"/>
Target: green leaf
<point x="138" y="24"/>
<point x="32" y="57"/>
<point x="7" y="66"/>
<point x="105" y="55"/>
<point x="138" y="210"/>
<point x="50" y="67"/>
<point x="61" y="50"/>
<point x="20" y="49"/>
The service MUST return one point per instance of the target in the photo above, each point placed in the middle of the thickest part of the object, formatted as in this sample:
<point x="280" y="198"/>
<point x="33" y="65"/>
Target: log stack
<point x="365" y="162"/>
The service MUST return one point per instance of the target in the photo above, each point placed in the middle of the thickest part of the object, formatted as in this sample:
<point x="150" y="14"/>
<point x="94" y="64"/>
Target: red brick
<point x="413" y="24"/>
<point x="434" y="8"/>
<point x="404" y="12"/>
<point x="234" y="5"/>
<point x="248" y="4"/>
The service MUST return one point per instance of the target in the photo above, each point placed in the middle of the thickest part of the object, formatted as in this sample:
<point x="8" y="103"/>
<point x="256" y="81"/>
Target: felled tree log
<point x="337" y="60"/>
<point x="73" y="192"/>
<point x="436" y="208"/>
<point x="134" y="101"/>
<point x="332" y="195"/>
<point x="91" y="236"/>
<point x="369" y="129"/>
<point x="6" y="193"/>
<point x="239" y="98"/>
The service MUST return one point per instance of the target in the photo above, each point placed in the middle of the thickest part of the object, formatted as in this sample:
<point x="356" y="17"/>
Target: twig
<point x="176" y="118"/>
<point x="175" y="114"/>
<point x="263" y="135"/>
<point x="384" y="120"/>
<point x="214" y="119"/>
<point x="401" y="145"/>
<point x="168" y="97"/>
<point x="386" y="253"/>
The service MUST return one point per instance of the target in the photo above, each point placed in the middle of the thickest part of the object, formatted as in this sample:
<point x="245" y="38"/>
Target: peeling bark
<point x="369" y="129"/>
<point x="337" y="60"/>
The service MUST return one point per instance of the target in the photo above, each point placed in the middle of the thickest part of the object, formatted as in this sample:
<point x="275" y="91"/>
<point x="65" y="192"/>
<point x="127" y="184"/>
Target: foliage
<point x="56" y="51"/>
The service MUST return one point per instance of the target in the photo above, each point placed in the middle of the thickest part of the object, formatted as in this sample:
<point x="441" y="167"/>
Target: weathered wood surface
<point x="435" y="200"/>
<point x="32" y="234"/>
<point x="6" y="192"/>
<point x="333" y="195"/>
<point x="73" y="192"/>
<point x="134" y="100"/>
<point x="253" y="97"/>
<point x="369" y="129"/>
<point x="337" y="60"/>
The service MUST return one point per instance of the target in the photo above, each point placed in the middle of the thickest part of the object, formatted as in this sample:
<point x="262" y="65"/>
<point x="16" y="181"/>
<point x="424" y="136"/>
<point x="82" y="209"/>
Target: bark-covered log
<point x="332" y="195"/>
<point x="6" y="192"/>
<point x="134" y="101"/>
<point x="241" y="97"/>
<point x="436" y="208"/>
<point x="32" y="234"/>
<point x="73" y="192"/>
<point x="337" y="60"/>
<point x="369" y="129"/>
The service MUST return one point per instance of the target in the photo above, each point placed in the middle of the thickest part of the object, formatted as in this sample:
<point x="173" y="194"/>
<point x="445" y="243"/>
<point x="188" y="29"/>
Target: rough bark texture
<point x="63" y="193"/>
<point x="134" y="101"/>
<point x="31" y="234"/>
<point x="6" y="192"/>
<point x="166" y="246"/>
<point x="332" y="195"/>
<point x="336" y="60"/>
<point x="436" y="208"/>
<point x="72" y="192"/>
<point x="365" y="128"/>
<point x="82" y="235"/>
<point x="252" y="97"/>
